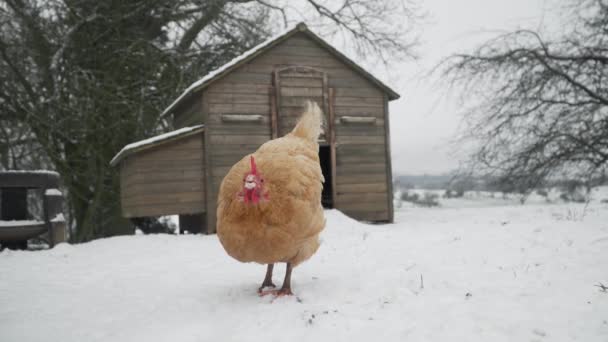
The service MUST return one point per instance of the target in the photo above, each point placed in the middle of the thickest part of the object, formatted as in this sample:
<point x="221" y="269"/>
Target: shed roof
<point x="155" y="141"/>
<point x="266" y="45"/>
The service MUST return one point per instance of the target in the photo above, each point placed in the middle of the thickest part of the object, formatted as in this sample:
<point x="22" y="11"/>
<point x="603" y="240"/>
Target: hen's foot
<point x="276" y="293"/>
<point x="263" y="289"/>
<point x="284" y="292"/>
<point x="263" y="292"/>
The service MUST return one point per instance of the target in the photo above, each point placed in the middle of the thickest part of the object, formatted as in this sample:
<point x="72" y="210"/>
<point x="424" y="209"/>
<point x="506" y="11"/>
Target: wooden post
<point x="389" y="166"/>
<point x="332" y="141"/>
<point x="53" y="208"/>
<point x="274" y="108"/>
<point x="209" y="200"/>
<point x="274" y="129"/>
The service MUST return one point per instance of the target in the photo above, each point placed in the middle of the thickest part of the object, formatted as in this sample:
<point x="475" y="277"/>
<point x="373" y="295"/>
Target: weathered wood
<point x="274" y="101"/>
<point x="239" y="108"/>
<point x="375" y="216"/>
<point x="175" y="197"/>
<point x="346" y="179"/>
<point x="360" y="158"/>
<point x="188" y="114"/>
<point x="194" y="185"/>
<point x="224" y="86"/>
<point x="379" y="187"/>
<point x="370" y="168"/>
<point x="210" y="203"/>
<point x="257" y="98"/>
<point x="301" y="91"/>
<point x="379" y="205"/>
<point x="360" y="101"/>
<point x="389" y="165"/>
<point x="163" y="209"/>
<point x="292" y="82"/>
<point x="238" y="139"/>
<point x="169" y="174"/>
<point x="378" y="198"/>
<point x="300" y="101"/>
<point x="332" y="141"/>
<point x="375" y="111"/>
<point x="360" y="131"/>
<point x="365" y="91"/>
<point x="241" y="118"/>
<point x="354" y="140"/>
<point x="257" y="120"/>
<point x="248" y="77"/>
<point x="365" y="120"/>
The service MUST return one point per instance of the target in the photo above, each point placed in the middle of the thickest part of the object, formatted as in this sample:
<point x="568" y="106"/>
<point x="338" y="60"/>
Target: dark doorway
<point x="325" y="160"/>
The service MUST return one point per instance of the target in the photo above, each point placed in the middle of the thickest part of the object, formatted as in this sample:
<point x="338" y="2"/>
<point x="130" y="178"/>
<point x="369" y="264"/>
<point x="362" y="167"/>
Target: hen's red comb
<point x="253" y="167"/>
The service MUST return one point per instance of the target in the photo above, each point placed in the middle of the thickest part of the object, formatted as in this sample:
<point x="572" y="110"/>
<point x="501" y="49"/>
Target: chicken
<point x="269" y="204"/>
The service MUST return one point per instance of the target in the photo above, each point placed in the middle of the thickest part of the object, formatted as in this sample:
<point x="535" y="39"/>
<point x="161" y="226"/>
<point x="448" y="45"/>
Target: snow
<point x="211" y="75"/>
<point x="58" y="218"/>
<point x="152" y="140"/>
<point x="20" y="223"/>
<point x="40" y="172"/>
<point x="488" y="273"/>
<point x="52" y="192"/>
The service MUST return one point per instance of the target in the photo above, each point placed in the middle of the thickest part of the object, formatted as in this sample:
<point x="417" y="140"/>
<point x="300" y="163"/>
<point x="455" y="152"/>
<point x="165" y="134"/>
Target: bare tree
<point x="544" y="103"/>
<point x="79" y="79"/>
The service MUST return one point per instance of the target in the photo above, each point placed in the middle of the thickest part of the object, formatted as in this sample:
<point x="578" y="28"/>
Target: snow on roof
<point x="20" y="223"/>
<point x="227" y="66"/>
<point x="128" y="149"/>
<point x="58" y="218"/>
<point x="38" y="172"/>
<point x="52" y="192"/>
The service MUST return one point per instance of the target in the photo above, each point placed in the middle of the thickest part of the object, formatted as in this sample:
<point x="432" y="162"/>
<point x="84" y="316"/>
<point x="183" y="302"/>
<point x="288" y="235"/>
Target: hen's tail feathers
<point x="309" y="125"/>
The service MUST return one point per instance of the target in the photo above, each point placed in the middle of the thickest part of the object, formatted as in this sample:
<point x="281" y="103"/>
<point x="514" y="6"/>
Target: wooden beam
<point x="358" y="119"/>
<point x="332" y="143"/>
<point x="241" y="118"/>
<point x="210" y="224"/>
<point x="389" y="165"/>
<point x="274" y="111"/>
<point x="275" y="92"/>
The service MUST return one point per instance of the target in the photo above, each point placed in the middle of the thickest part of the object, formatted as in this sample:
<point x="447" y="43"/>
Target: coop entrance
<point x="325" y="160"/>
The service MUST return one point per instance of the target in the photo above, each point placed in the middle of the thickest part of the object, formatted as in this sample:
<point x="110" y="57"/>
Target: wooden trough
<point x="15" y="226"/>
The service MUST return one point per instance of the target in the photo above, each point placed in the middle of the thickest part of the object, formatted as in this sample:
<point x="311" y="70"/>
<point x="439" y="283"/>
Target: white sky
<point x="424" y="120"/>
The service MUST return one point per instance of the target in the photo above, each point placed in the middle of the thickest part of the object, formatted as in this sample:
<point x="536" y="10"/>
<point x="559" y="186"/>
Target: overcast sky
<point x="424" y="121"/>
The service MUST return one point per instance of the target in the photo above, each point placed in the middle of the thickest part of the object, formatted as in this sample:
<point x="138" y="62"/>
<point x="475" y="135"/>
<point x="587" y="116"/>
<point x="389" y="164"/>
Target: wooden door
<point x="293" y="86"/>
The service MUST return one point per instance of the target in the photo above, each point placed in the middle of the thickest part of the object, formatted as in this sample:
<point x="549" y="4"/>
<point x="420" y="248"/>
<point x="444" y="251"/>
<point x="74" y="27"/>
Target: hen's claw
<point x="276" y="293"/>
<point x="284" y="292"/>
<point x="263" y="292"/>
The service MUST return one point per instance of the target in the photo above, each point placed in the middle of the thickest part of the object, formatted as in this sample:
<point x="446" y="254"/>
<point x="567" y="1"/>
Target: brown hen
<point x="269" y="204"/>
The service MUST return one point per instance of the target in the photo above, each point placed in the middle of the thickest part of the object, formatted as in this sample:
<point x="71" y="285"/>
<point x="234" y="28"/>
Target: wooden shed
<point x="256" y="97"/>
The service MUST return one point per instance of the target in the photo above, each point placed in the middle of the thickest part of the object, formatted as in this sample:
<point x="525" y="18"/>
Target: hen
<point x="269" y="204"/>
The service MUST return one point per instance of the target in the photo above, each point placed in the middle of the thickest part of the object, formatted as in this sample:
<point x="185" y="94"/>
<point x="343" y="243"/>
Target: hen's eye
<point x="261" y="180"/>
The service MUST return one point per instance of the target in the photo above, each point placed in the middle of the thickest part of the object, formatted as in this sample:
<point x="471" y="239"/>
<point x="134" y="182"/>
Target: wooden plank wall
<point x="188" y="114"/>
<point x="361" y="152"/>
<point x="164" y="180"/>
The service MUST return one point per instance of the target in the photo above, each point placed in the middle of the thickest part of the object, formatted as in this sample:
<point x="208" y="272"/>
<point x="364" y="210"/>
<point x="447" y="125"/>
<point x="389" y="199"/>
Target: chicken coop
<point x="256" y="97"/>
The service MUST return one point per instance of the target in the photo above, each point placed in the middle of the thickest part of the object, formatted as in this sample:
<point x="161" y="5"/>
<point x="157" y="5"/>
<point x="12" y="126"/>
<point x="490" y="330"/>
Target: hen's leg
<point x="286" y="288"/>
<point x="267" y="279"/>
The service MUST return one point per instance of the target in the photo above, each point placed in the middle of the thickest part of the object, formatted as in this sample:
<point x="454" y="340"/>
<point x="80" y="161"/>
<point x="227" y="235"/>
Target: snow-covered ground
<point x="461" y="273"/>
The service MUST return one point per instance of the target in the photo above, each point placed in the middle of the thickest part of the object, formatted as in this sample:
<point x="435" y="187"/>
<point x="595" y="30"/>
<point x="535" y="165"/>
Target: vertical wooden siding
<point x="188" y="114"/>
<point x="164" y="180"/>
<point x="362" y="183"/>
